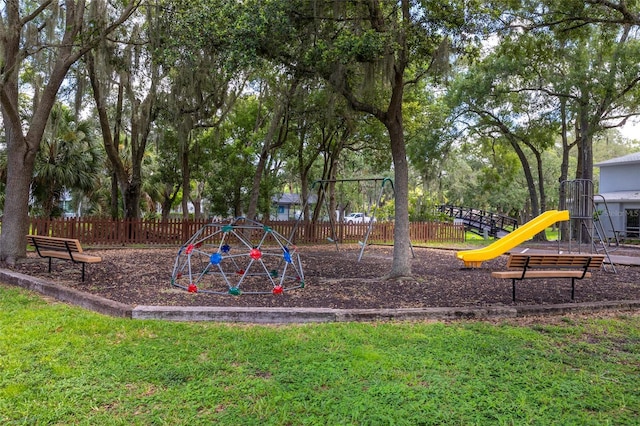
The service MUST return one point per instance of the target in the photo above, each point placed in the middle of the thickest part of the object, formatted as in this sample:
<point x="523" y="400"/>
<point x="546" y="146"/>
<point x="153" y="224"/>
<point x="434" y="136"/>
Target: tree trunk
<point x="257" y="178"/>
<point x="114" y="197"/>
<point x="401" y="239"/>
<point x="166" y="208"/>
<point x="15" y="221"/>
<point x="197" y="201"/>
<point x="115" y="205"/>
<point x="304" y="193"/>
<point x="542" y="235"/>
<point x="584" y="171"/>
<point x="142" y="116"/>
<point x="564" y="172"/>
<point x="132" y="201"/>
<point x="531" y="186"/>
<point x="303" y="172"/>
<point x="271" y="141"/>
<point x="184" y="129"/>
<point x="110" y="145"/>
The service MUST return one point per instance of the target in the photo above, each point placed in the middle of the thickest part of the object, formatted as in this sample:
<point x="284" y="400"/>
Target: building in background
<point x="619" y="195"/>
<point x="288" y="206"/>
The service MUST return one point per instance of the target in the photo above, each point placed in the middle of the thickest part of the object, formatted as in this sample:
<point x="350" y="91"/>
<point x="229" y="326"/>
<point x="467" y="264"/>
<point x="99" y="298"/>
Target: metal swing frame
<point x="332" y="220"/>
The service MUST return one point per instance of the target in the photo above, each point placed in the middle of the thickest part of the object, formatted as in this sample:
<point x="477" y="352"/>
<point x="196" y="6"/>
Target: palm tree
<point x="69" y="159"/>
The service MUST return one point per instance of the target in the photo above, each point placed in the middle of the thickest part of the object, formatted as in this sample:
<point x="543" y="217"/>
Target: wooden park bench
<point x="574" y="266"/>
<point x="61" y="248"/>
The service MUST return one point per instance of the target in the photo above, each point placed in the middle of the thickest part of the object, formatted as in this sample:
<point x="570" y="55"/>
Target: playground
<point x="243" y="263"/>
<point x="336" y="279"/>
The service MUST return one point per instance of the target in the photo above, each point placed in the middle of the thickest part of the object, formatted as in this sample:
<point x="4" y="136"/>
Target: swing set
<point x="378" y="183"/>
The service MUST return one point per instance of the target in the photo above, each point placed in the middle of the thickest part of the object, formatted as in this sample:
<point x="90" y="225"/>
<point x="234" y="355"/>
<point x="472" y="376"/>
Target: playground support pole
<point x="373" y="216"/>
<point x="333" y="238"/>
<point x="332" y="218"/>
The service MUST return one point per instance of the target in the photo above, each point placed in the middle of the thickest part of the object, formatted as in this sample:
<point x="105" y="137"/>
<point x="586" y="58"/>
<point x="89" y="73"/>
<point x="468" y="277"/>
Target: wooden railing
<point x="479" y="221"/>
<point x="108" y="232"/>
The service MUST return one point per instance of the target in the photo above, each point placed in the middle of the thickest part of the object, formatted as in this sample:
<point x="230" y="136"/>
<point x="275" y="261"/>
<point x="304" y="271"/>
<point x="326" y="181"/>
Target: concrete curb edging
<point x="576" y="308"/>
<point x="66" y="294"/>
<point x="298" y="315"/>
<point x="309" y="315"/>
<point x="317" y="315"/>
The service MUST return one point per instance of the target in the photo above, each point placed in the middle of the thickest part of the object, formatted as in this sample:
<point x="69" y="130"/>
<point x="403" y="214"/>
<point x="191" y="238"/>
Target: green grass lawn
<point x="62" y="365"/>
<point x="474" y="239"/>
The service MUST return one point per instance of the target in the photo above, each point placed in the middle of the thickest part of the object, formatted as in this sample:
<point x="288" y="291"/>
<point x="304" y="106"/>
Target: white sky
<point x="631" y="131"/>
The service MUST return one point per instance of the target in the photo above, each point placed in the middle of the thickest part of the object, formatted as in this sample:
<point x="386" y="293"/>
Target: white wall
<point x="617" y="216"/>
<point x="622" y="177"/>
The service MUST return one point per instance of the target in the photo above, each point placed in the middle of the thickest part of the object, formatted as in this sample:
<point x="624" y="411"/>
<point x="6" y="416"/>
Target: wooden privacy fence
<point x="94" y="231"/>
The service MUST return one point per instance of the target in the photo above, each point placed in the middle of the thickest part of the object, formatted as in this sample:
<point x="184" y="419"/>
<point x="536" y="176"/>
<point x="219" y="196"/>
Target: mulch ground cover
<point x="336" y="279"/>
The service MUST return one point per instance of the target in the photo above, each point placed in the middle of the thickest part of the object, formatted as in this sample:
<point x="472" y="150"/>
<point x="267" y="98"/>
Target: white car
<point x="357" y="218"/>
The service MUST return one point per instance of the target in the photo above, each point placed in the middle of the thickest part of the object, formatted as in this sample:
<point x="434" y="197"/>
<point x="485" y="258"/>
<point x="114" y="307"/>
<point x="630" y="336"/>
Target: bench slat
<point x="55" y="243"/>
<point x="78" y="257"/>
<point x="555" y="260"/>
<point x="541" y="274"/>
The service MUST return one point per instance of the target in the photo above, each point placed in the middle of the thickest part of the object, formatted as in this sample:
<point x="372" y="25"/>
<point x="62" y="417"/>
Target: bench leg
<point x="513" y="290"/>
<point x="573" y="287"/>
<point x="49" y="265"/>
<point x="83" y="272"/>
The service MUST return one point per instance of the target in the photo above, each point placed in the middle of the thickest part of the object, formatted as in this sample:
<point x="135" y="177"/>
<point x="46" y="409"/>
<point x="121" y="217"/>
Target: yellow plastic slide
<point x="474" y="258"/>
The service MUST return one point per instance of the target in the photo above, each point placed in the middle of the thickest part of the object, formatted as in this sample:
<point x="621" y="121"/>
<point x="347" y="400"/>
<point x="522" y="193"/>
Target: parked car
<point x="357" y="218"/>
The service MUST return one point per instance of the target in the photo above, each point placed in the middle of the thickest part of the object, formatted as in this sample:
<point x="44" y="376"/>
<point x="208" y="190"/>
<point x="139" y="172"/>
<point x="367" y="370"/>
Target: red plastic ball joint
<point x="190" y="248"/>
<point x="255" y="253"/>
<point x="278" y="289"/>
<point x="192" y="288"/>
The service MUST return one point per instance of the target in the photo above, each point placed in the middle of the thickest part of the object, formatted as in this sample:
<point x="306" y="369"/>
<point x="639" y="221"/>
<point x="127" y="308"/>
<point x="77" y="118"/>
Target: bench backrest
<point x="54" y="243"/>
<point x="589" y="261"/>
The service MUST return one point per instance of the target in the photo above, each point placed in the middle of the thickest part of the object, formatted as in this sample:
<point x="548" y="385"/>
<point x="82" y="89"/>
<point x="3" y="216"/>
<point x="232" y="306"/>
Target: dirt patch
<point x="336" y="279"/>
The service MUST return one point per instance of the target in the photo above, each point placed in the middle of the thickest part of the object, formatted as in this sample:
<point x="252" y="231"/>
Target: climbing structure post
<point x="579" y="202"/>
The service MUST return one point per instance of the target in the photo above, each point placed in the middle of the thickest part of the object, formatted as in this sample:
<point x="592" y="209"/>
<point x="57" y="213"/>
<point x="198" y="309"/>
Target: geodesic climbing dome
<point x="239" y="256"/>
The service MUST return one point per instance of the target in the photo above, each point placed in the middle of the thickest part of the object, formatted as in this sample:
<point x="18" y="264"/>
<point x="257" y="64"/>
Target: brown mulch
<point x="335" y="279"/>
